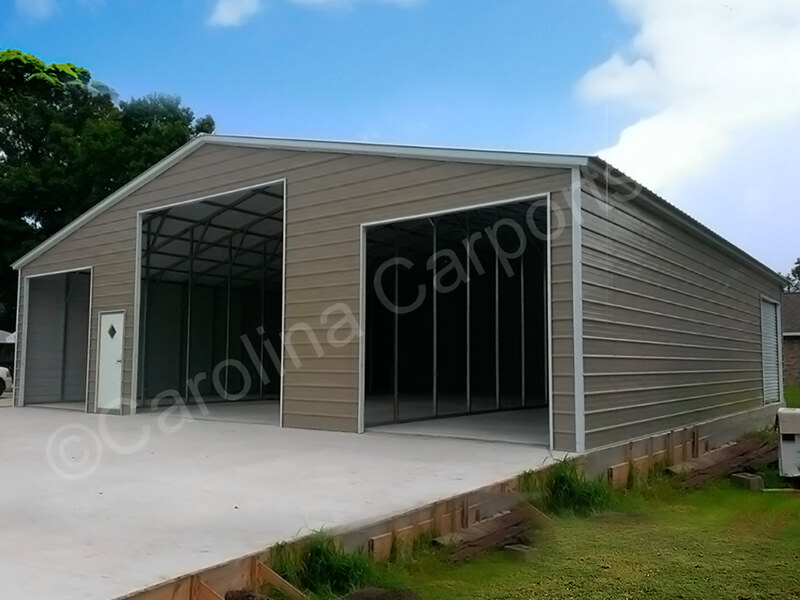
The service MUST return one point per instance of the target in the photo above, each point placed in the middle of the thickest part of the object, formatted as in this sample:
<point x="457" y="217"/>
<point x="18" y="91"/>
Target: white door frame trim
<point x="779" y="325"/>
<point x="22" y="341"/>
<point x="137" y="293"/>
<point x="363" y="283"/>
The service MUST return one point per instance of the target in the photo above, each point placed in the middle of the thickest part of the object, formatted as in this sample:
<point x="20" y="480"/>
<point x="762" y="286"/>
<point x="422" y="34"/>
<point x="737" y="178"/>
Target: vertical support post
<point x="369" y="344"/>
<point x="228" y="317"/>
<point x="435" y="325"/>
<point x="262" y="330"/>
<point x="64" y="333"/>
<point x="496" y="323"/>
<point x="547" y="289"/>
<point x="469" y="315"/>
<point x="522" y="321"/>
<point x="144" y="302"/>
<point x="396" y="406"/>
<point x="189" y="285"/>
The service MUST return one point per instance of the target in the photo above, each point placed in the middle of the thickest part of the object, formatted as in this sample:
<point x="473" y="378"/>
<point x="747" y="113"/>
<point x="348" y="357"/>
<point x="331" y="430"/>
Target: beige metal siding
<point x="323" y="260"/>
<point x="563" y="367"/>
<point x="329" y="196"/>
<point x="672" y="330"/>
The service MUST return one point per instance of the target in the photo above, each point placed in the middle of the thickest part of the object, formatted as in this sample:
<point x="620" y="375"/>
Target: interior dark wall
<point x="502" y="336"/>
<point x="451" y="313"/>
<point x="163" y="351"/>
<point x="202" y="329"/>
<point x="76" y="335"/>
<point x="247" y="342"/>
<point x="211" y="339"/>
<point x="536" y="347"/>
<point x="483" y="314"/>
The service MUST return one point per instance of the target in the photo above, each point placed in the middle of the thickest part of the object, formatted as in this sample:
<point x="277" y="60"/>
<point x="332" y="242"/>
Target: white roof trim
<point x="671" y="212"/>
<point x="504" y="157"/>
<point x="791" y="334"/>
<point x="421" y="152"/>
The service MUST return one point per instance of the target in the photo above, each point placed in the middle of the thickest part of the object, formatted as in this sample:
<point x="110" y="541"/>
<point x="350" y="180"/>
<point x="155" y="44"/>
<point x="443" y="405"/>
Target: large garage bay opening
<point x="211" y="306"/>
<point x="57" y="340"/>
<point x="456" y="324"/>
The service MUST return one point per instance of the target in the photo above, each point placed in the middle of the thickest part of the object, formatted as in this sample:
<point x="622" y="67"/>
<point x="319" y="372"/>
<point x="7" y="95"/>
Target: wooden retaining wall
<point x="251" y="571"/>
<point x="464" y="510"/>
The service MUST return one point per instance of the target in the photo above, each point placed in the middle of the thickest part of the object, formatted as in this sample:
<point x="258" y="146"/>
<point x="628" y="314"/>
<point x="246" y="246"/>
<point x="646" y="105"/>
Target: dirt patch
<point x="243" y="595"/>
<point x="380" y="594"/>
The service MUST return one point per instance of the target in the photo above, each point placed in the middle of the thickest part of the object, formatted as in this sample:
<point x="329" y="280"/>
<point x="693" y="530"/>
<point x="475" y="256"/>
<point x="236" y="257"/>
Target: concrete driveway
<point x="96" y="507"/>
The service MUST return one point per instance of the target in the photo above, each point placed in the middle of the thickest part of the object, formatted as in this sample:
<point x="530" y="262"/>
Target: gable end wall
<point x="329" y="196"/>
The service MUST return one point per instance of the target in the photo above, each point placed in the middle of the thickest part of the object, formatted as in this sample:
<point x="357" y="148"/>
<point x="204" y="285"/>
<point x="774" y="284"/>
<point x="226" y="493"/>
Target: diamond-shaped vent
<point x="112" y="332"/>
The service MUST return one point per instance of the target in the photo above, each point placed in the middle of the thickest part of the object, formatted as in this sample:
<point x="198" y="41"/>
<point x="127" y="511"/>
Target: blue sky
<point x="450" y="72"/>
<point x="583" y="76"/>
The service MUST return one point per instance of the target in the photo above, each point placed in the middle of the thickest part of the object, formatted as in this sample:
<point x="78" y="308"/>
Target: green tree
<point x="65" y="144"/>
<point x="794" y="278"/>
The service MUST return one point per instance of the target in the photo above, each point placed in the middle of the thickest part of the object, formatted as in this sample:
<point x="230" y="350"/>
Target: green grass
<point x="658" y="542"/>
<point x="792" y="394"/>
<point x="320" y="567"/>
<point x="565" y="490"/>
<point x="651" y="541"/>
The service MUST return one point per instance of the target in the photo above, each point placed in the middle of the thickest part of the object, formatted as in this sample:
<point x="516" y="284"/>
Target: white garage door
<point x="770" y="352"/>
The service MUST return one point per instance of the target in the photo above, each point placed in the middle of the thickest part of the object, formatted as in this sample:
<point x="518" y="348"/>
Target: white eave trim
<point x="501" y="157"/>
<point x="791" y="334"/>
<point x="669" y="211"/>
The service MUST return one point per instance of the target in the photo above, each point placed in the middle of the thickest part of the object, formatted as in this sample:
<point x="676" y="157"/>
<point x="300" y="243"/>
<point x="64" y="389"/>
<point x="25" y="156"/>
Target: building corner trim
<point x="19" y="357"/>
<point x="577" y="309"/>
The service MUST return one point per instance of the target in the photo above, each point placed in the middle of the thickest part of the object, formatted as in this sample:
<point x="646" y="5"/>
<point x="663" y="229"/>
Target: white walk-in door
<point x="110" y="330"/>
<point x="770" y="352"/>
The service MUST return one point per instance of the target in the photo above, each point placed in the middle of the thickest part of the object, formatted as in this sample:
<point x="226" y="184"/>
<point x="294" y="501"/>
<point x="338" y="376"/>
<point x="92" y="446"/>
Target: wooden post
<point x="671" y="448"/>
<point x="201" y="591"/>
<point x="265" y="575"/>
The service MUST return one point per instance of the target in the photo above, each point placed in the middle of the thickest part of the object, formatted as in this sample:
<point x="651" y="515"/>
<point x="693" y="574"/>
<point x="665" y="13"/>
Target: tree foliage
<point x="65" y="144"/>
<point x="794" y="278"/>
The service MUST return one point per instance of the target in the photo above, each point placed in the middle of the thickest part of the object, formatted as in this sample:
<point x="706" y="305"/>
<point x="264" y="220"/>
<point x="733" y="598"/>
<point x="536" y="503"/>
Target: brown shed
<point x="345" y="286"/>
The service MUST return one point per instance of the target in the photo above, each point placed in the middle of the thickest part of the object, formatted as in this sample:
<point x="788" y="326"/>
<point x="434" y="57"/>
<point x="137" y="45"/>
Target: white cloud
<point x="347" y="3"/>
<point x="716" y="89"/>
<point x="231" y="13"/>
<point x="704" y="74"/>
<point x="36" y="9"/>
<point x="44" y="9"/>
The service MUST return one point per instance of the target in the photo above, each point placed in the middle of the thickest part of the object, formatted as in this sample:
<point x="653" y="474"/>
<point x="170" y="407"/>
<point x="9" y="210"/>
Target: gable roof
<point x="594" y="164"/>
<point x="790" y="317"/>
<point x="531" y="159"/>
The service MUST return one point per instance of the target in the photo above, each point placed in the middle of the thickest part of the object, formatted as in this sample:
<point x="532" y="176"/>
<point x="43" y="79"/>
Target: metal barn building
<point x="346" y="286"/>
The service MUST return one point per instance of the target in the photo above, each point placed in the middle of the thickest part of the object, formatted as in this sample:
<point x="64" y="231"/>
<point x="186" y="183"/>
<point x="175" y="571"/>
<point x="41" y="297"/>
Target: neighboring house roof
<point x="609" y="176"/>
<point x="790" y="317"/>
